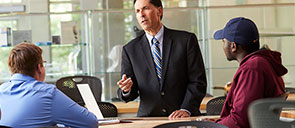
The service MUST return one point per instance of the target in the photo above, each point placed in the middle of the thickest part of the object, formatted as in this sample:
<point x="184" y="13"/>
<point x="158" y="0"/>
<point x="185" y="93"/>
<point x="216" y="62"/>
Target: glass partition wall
<point x="100" y="35"/>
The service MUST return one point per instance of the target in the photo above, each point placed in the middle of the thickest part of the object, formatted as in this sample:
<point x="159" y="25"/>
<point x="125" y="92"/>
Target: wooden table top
<point x="291" y="96"/>
<point x="148" y="122"/>
<point x="132" y="107"/>
<point x="288" y="114"/>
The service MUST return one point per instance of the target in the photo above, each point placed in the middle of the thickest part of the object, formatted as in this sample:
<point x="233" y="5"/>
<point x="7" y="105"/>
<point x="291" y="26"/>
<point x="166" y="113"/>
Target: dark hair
<point x="24" y="58"/>
<point x="250" y="48"/>
<point x="156" y="3"/>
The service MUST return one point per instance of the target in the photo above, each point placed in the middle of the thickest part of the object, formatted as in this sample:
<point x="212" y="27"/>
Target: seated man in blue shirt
<point x="26" y="101"/>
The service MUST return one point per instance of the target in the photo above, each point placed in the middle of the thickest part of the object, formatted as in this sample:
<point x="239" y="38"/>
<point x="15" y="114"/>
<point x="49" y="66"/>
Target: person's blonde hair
<point x="24" y="58"/>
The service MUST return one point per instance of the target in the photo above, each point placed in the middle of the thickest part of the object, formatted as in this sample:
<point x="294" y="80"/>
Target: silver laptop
<point x="92" y="106"/>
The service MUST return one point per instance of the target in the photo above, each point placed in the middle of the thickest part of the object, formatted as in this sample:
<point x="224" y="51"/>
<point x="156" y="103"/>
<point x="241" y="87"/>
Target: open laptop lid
<point x="89" y="100"/>
<point x="92" y="106"/>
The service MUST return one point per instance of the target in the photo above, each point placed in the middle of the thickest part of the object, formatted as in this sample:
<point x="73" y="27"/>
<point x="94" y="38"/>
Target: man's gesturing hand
<point x="125" y="83"/>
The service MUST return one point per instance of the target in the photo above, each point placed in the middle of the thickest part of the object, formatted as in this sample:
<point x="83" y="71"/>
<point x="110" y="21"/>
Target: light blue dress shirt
<point x="26" y="103"/>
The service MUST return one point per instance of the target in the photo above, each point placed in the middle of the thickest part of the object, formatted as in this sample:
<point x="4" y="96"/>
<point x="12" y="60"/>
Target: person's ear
<point x="39" y="68"/>
<point x="160" y="11"/>
<point x="233" y="47"/>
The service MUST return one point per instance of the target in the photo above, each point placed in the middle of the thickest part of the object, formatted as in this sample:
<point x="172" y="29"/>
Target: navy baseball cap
<point x="240" y="30"/>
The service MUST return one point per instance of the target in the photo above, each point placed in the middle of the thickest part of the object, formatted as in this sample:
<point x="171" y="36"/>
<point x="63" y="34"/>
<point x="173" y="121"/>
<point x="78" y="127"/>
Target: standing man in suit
<point x="163" y="67"/>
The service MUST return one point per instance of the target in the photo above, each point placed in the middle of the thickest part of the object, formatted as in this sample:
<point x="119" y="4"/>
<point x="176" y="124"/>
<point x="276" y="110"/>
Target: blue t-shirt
<point x="26" y="102"/>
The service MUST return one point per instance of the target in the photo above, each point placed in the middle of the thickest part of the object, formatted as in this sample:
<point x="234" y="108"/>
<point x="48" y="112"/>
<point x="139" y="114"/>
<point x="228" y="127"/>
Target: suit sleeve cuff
<point x="189" y="113"/>
<point x="126" y="94"/>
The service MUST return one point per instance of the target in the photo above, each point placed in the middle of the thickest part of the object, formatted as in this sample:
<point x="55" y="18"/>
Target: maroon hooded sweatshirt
<point x="259" y="76"/>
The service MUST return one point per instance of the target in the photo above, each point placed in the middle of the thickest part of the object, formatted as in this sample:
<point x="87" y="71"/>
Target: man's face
<point x="227" y="49"/>
<point x="147" y="15"/>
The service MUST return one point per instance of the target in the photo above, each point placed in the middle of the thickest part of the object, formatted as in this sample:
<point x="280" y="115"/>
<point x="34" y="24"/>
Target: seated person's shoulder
<point x="257" y="63"/>
<point x="44" y="87"/>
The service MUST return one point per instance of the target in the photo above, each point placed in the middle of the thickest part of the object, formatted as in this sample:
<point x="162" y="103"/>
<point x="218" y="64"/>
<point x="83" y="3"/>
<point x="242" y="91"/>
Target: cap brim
<point x="218" y="35"/>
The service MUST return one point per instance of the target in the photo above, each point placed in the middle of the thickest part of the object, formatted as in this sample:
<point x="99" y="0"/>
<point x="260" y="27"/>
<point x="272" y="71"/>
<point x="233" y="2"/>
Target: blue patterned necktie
<point x="157" y="57"/>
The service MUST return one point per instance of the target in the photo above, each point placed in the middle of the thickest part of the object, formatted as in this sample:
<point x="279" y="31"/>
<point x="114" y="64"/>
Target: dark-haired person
<point x="164" y="67"/>
<point x="259" y="74"/>
<point x="26" y="101"/>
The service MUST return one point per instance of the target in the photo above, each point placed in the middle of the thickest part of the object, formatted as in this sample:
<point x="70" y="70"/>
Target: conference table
<point x="127" y="110"/>
<point x="149" y="122"/>
<point x="132" y="107"/>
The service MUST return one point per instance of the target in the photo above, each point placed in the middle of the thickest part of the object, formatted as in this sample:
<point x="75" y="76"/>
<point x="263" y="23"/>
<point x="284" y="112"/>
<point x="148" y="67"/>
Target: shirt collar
<point x="18" y="76"/>
<point x="159" y="36"/>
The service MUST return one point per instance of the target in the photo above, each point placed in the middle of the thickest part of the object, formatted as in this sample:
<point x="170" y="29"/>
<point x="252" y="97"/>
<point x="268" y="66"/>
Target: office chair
<point x="68" y="85"/>
<point x="191" y="124"/>
<point x="214" y="106"/>
<point x="265" y="113"/>
<point x="108" y="109"/>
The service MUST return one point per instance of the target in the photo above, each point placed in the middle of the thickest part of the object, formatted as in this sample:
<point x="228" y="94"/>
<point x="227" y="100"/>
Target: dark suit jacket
<point x="183" y="84"/>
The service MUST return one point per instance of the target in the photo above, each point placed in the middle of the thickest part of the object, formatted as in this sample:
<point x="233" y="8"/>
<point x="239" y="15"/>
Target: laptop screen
<point x="89" y="100"/>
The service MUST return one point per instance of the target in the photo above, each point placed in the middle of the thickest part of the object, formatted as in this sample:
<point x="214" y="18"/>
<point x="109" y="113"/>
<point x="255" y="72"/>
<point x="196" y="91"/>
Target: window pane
<point x="8" y="23"/>
<point x="4" y="72"/>
<point x="55" y="22"/>
<point x="60" y="0"/>
<point x="10" y="1"/>
<point x="65" y="7"/>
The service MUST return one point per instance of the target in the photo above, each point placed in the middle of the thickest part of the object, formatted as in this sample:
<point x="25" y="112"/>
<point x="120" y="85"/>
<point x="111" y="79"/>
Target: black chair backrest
<point x="108" y="109"/>
<point x="68" y="85"/>
<point x="191" y="124"/>
<point x="214" y="106"/>
<point x="265" y="113"/>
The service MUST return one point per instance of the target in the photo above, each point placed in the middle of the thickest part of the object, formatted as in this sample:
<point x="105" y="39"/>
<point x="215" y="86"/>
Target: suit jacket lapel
<point x="145" y="46"/>
<point x="167" y="43"/>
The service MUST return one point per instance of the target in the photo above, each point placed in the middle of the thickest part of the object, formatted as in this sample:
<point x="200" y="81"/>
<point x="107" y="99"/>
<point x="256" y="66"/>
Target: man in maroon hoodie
<point x="259" y="73"/>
